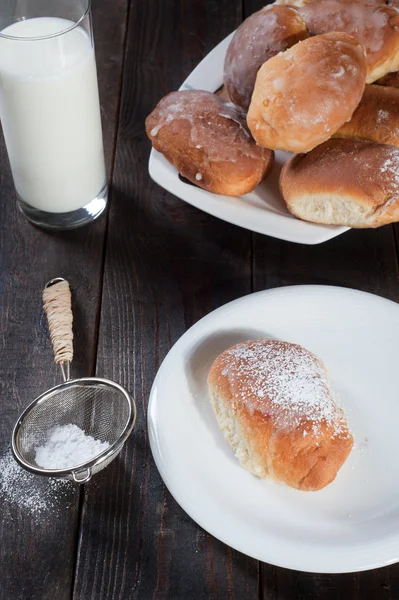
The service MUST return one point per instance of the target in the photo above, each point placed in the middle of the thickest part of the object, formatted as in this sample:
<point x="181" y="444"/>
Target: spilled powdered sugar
<point x="283" y="381"/>
<point x="30" y="493"/>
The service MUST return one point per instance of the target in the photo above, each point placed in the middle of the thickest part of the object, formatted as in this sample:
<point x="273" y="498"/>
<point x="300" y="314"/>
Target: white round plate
<point x="263" y="210"/>
<point x="351" y="525"/>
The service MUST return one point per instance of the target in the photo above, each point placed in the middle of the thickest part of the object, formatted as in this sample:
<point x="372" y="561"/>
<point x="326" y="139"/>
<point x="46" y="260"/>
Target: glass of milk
<point x="50" y="111"/>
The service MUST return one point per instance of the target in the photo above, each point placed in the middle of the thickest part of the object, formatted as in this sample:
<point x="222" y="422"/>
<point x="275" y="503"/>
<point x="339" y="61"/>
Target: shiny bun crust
<point x="207" y="140"/>
<point x="375" y="26"/>
<point x="305" y="94"/>
<point x="344" y="182"/>
<point x="264" y="34"/>
<point x="376" y="118"/>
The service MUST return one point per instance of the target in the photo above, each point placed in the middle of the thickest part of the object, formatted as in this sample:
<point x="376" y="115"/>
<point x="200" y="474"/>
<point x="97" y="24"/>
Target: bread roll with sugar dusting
<point x="264" y="34"/>
<point x="375" y="26"/>
<point x="275" y="407"/>
<point x="304" y="95"/>
<point x="207" y="140"/>
<point x="376" y="118"/>
<point x="344" y="182"/>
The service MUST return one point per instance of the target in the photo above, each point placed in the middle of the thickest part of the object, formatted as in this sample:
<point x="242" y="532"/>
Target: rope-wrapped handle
<point x="57" y="306"/>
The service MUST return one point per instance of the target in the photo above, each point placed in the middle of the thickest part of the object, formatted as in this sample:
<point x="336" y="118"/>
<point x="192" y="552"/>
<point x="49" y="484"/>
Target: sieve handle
<point x="57" y="306"/>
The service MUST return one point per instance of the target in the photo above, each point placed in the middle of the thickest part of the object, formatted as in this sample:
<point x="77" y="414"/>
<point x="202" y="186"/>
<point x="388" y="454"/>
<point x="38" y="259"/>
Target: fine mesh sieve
<point x="101" y="408"/>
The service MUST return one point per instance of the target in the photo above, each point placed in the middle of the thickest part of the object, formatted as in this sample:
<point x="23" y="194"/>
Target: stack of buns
<point x="315" y="77"/>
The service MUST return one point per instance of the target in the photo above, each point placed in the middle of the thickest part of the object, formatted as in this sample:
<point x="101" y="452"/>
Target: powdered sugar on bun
<point x="320" y="82"/>
<point x="374" y="25"/>
<point x="264" y="34"/>
<point x="275" y="407"/>
<point x="208" y="141"/>
<point x="284" y="382"/>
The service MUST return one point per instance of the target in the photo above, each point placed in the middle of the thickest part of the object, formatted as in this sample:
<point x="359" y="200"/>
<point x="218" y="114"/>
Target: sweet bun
<point x="264" y="34"/>
<point x="305" y="94"/>
<point x="390" y="80"/>
<point x="206" y="139"/>
<point x="376" y="27"/>
<point x="376" y="118"/>
<point x="344" y="182"/>
<point x="274" y="405"/>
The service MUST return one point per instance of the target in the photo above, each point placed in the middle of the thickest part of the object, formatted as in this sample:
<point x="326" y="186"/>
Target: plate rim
<point x="177" y="496"/>
<point x="330" y="232"/>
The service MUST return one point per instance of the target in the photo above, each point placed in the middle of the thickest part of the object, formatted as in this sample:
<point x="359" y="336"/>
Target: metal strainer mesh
<point x="101" y="408"/>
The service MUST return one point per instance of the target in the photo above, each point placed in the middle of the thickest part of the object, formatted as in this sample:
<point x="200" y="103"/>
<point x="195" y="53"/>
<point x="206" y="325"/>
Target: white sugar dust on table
<point x="37" y="496"/>
<point x="67" y="446"/>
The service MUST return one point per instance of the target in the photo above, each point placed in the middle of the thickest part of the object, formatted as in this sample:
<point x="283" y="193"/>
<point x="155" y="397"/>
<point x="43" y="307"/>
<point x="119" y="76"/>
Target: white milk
<point x="50" y="113"/>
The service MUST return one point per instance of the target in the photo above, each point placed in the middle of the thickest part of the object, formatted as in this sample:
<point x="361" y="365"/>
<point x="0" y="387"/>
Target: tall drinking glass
<point x="50" y="111"/>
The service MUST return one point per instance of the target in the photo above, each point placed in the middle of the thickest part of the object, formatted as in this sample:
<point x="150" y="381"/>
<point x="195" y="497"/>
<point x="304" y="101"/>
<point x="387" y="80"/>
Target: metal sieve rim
<point x="100" y="458"/>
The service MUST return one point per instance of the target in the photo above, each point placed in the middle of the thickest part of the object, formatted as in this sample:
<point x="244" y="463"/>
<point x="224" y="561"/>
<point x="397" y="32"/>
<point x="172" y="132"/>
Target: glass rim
<point x="52" y="35"/>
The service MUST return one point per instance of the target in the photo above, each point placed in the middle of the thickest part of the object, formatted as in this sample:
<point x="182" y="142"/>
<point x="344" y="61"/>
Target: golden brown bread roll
<point x="304" y="95"/>
<point x="390" y="80"/>
<point x="376" y="118"/>
<point x="275" y="408"/>
<point x="375" y="26"/>
<point x="344" y="182"/>
<point x="264" y="34"/>
<point x="208" y="142"/>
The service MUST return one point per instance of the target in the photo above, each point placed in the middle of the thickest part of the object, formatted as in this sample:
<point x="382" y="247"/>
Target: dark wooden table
<point x="141" y="276"/>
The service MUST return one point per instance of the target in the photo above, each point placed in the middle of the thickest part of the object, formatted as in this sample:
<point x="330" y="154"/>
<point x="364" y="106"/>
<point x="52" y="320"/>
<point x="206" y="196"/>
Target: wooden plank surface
<point x="167" y="265"/>
<point x="39" y="521"/>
